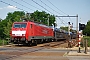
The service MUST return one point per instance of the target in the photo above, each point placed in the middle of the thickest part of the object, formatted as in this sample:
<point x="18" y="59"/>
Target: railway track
<point x="57" y="44"/>
<point x="15" y="51"/>
<point x="49" y="44"/>
<point x="52" y="44"/>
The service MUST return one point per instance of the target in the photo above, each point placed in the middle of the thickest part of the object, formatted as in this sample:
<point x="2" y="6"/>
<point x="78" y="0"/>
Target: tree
<point x="7" y="28"/>
<point x="42" y="17"/>
<point x="0" y="19"/>
<point x="87" y="29"/>
<point x="64" y="28"/>
<point x="3" y="23"/>
<point x="15" y="16"/>
<point x="6" y="24"/>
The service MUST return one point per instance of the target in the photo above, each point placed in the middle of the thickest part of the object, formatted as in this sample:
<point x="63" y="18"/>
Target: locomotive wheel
<point x="34" y="42"/>
<point x="56" y="40"/>
<point x="42" y="40"/>
<point x="29" y="43"/>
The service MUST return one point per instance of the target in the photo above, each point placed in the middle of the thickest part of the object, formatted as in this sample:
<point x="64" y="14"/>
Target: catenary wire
<point x="17" y="7"/>
<point x="50" y="7"/>
<point x="62" y="21"/>
<point x="41" y="6"/>
<point x="30" y="4"/>
<point x="58" y="8"/>
<point x="22" y="5"/>
<point x="13" y="6"/>
<point x="54" y="11"/>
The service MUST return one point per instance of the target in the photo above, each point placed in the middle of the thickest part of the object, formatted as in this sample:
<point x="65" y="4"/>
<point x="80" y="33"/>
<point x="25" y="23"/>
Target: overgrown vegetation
<point x="4" y="42"/>
<point x="86" y="31"/>
<point x="88" y="39"/>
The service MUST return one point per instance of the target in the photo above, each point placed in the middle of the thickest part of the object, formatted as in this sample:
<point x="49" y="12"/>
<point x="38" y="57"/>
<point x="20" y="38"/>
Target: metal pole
<point x="79" y="41"/>
<point x="48" y="20"/>
<point x="77" y="23"/>
<point x="68" y="36"/>
<point x="83" y="42"/>
<point x="77" y="26"/>
<point x="69" y="29"/>
<point x="70" y="42"/>
<point x="72" y="16"/>
<point x="86" y="46"/>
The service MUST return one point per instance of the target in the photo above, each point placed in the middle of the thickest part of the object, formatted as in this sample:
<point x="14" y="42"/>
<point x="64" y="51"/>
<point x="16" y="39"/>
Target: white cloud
<point x="9" y="7"/>
<point x="12" y="7"/>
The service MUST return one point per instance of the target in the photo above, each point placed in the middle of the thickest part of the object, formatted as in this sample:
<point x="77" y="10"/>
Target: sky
<point x="53" y="7"/>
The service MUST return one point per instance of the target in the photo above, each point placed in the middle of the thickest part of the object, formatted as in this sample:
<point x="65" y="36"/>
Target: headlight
<point x="23" y="34"/>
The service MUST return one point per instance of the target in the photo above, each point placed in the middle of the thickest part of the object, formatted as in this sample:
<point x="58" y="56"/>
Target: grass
<point x="88" y="39"/>
<point x="3" y="42"/>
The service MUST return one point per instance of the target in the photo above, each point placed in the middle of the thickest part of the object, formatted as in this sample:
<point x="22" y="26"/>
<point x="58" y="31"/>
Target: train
<point x="31" y="33"/>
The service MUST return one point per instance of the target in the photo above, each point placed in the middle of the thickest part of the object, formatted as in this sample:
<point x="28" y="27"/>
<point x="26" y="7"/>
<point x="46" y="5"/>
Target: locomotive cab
<point x="19" y="29"/>
<point x="18" y="32"/>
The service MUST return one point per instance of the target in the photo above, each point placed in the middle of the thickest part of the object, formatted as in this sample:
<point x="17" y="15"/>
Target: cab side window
<point x="30" y="25"/>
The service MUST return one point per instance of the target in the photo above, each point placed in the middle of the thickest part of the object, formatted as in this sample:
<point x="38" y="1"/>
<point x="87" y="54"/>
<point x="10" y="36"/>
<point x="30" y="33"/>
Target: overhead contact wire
<point x="42" y="6"/>
<point x="30" y="4"/>
<point x="13" y="6"/>
<point x="22" y="5"/>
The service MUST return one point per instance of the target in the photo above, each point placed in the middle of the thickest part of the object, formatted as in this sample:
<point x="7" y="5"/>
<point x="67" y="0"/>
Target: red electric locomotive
<point x="30" y="32"/>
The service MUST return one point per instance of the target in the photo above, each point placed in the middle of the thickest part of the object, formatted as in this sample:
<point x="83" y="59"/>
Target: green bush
<point x="88" y="40"/>
<point x="3" y="42"/>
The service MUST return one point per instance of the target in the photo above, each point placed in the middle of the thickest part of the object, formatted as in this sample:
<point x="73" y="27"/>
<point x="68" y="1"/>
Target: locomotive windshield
<point x="20" y="25"/>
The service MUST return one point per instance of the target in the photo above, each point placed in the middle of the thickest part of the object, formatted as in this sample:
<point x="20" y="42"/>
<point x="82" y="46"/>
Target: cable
<point x="62" y="20"/>
<point x="50" y="7"/>
<point x="56" y="7"/>
<point x="21" y="5"/>
<point x="54" y="11"/>
<point x="13" y="6"/>
<point x="45" y="8"/>
<point x="25" y="10"/>
<point x="42" y="6"/>
<point x="29" y="4"/>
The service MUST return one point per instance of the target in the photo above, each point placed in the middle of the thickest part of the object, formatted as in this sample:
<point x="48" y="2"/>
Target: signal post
<point x="79" y="40"/>
<point x="81" y="27"/>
